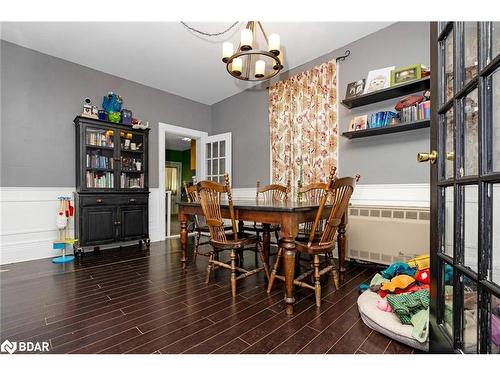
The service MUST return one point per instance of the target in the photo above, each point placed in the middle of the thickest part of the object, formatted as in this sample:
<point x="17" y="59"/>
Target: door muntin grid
<point x="472" y="102"/>
<point x="216" y="160"/>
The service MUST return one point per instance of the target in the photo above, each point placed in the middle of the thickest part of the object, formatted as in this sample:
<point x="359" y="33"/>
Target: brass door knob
<point x="427" y="156"/>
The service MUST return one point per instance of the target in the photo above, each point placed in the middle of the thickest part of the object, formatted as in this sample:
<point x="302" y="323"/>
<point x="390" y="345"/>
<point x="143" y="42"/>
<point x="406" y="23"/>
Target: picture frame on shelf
<point x="358" y="123"/>
<point x="378" y="79"/>
<point x="355" y="88"/>
<point x="406" y="74"/>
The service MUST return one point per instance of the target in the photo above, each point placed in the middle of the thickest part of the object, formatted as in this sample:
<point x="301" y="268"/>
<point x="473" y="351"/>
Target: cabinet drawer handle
<point x="99" y="200"/>
<point x="132" y="200"/>
<point x="117" y="223"/>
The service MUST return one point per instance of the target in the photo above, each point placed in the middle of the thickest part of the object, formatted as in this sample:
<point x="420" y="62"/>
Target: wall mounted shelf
<point x="388" y="93"/>
<point x="387" y="129"/>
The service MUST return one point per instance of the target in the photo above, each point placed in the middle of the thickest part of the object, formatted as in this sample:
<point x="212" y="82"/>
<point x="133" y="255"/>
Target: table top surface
<point x="261" y="205"/>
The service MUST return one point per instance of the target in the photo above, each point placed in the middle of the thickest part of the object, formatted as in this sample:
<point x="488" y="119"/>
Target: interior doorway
<point x="213" y="158"/>
<point x="180" y="169"/>
<point x="175" y="139"/>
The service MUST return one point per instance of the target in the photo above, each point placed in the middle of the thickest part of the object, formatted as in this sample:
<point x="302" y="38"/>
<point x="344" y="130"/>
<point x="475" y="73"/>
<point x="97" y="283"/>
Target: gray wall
<point x="246" y="116"/>
<point x="40" y="96"/>
<point x="383" y="159"/>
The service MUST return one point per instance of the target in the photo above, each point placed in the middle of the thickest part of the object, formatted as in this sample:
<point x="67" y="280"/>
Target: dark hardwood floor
<point x="134" y="301"/>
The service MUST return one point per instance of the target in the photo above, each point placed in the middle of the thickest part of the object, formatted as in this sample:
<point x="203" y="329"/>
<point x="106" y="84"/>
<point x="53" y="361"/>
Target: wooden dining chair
<point x="338" y="191"/>
<point x="313" y="193"/>
<point x="210" y="194"/>
<point x="200" y="224"/>
<point x="269" y="194"/>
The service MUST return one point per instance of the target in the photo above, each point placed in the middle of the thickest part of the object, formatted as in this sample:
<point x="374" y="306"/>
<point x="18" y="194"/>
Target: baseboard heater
<point x="385" y="235"/>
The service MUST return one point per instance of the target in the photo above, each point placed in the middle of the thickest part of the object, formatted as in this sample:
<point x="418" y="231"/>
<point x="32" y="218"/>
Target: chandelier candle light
<point x="249" y="63"/>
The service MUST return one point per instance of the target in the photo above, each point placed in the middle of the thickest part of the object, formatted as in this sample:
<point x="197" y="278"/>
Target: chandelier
<point x="250" y="62"/>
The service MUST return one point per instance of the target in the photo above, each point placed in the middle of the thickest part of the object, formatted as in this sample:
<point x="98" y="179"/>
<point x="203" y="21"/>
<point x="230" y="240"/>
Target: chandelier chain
<point x="209" y="34"/>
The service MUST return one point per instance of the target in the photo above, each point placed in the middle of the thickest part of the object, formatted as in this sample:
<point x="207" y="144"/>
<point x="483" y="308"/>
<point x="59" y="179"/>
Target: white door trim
<point x="163" y="129"/>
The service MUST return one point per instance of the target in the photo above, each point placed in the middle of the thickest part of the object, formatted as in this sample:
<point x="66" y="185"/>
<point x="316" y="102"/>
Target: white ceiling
<point x="169" y="57"/>
<point x="175" y="142"/>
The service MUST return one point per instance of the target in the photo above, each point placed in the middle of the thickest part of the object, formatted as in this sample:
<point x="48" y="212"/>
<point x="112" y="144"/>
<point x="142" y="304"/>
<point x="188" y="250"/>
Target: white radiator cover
<point x="384" y="234"/>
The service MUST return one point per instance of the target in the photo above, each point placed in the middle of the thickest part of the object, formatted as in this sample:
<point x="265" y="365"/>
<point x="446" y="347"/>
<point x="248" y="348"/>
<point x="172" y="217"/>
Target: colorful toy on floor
<point x="423" y="276"/>
<point x="398" y="268"/>
<point x="398" y="282"/>
<point x="421" y="262"/>
<point x="363" y="287"/>
<point x="384" y="305"/>
<point x="64" y="214"/>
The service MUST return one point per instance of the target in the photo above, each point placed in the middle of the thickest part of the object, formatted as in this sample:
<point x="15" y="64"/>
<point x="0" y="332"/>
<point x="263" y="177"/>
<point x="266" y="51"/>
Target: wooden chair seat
<point x="243" y="240"/>
<point x="316" y="248"/>
<point x="206" y="229"/>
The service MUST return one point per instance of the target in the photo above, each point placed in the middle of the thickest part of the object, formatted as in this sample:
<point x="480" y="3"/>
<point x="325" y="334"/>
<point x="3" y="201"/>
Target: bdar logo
<point x="8" y="346"/>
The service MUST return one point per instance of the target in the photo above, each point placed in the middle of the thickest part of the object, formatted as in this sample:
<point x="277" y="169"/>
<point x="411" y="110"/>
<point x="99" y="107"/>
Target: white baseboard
<point x="393" y="195"/>
<point x="28" y="221"/>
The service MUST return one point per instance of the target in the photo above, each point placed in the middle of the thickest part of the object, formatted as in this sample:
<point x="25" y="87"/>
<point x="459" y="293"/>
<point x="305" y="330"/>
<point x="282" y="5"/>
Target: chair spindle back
<point x="339" y="194"/>
<point x="273" y="192"/>
<point x="210" y="194"/>
<point x="313" y="193"/>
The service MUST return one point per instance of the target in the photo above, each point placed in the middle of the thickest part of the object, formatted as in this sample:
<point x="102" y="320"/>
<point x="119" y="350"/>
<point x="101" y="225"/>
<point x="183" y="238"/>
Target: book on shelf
<point x="381" y="119"/>
<point x="418" y="112"/>
<point x="131" y="182"/>
<point x="101" y="138"/>
<point x="95" y="160"/>
<point x="100" y="180"/>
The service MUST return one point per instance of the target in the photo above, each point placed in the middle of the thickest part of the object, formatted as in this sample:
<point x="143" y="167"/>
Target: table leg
<point x="184" y="237"/>
<point x="288" y="245"/>
<point x="341" y="242"/>
<point x="266" y="241"/>
<point x="289" y="229"/>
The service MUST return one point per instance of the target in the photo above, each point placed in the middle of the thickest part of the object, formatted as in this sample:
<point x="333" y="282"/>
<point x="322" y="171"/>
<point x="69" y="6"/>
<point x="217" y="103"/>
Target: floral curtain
<point x="303" y="126"/>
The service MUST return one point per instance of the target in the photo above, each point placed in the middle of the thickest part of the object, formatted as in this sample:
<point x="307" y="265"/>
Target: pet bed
<point x="386" y="323"/>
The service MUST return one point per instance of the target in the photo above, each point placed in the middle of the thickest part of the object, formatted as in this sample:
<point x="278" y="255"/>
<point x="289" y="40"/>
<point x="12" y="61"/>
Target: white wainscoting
<point x="393" y="195"/>
<point x="28" y="221"/>
<point x="156" y="232"/>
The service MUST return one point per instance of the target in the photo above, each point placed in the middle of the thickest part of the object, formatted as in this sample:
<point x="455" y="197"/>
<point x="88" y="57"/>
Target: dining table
<point x="287" y="214"/>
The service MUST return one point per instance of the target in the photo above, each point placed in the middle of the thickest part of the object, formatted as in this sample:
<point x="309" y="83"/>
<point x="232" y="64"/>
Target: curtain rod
<point x="343" y="57"/>
<point x="340" y="58"/>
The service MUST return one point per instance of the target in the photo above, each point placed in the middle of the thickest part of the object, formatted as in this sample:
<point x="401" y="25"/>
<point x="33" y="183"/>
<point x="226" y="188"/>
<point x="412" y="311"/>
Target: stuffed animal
<point x="363" y="287"/>
<point x="398" y="282"/>
<point x="398" y="268"/>
<point x="383" y="305"/>
<point x="112" y="102"/>
<point x="423" y="276"/>
<point x="421" y="262"/>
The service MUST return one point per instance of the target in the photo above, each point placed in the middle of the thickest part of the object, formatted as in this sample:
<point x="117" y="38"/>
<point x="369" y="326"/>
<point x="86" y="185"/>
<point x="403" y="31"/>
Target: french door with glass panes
<point x="465" y="187"/>
<point x="218" y="157"/>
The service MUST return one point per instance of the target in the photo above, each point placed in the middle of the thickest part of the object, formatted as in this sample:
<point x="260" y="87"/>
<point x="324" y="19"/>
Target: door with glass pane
<point x="465" y="187"/>
<point x="218" y="157"/>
